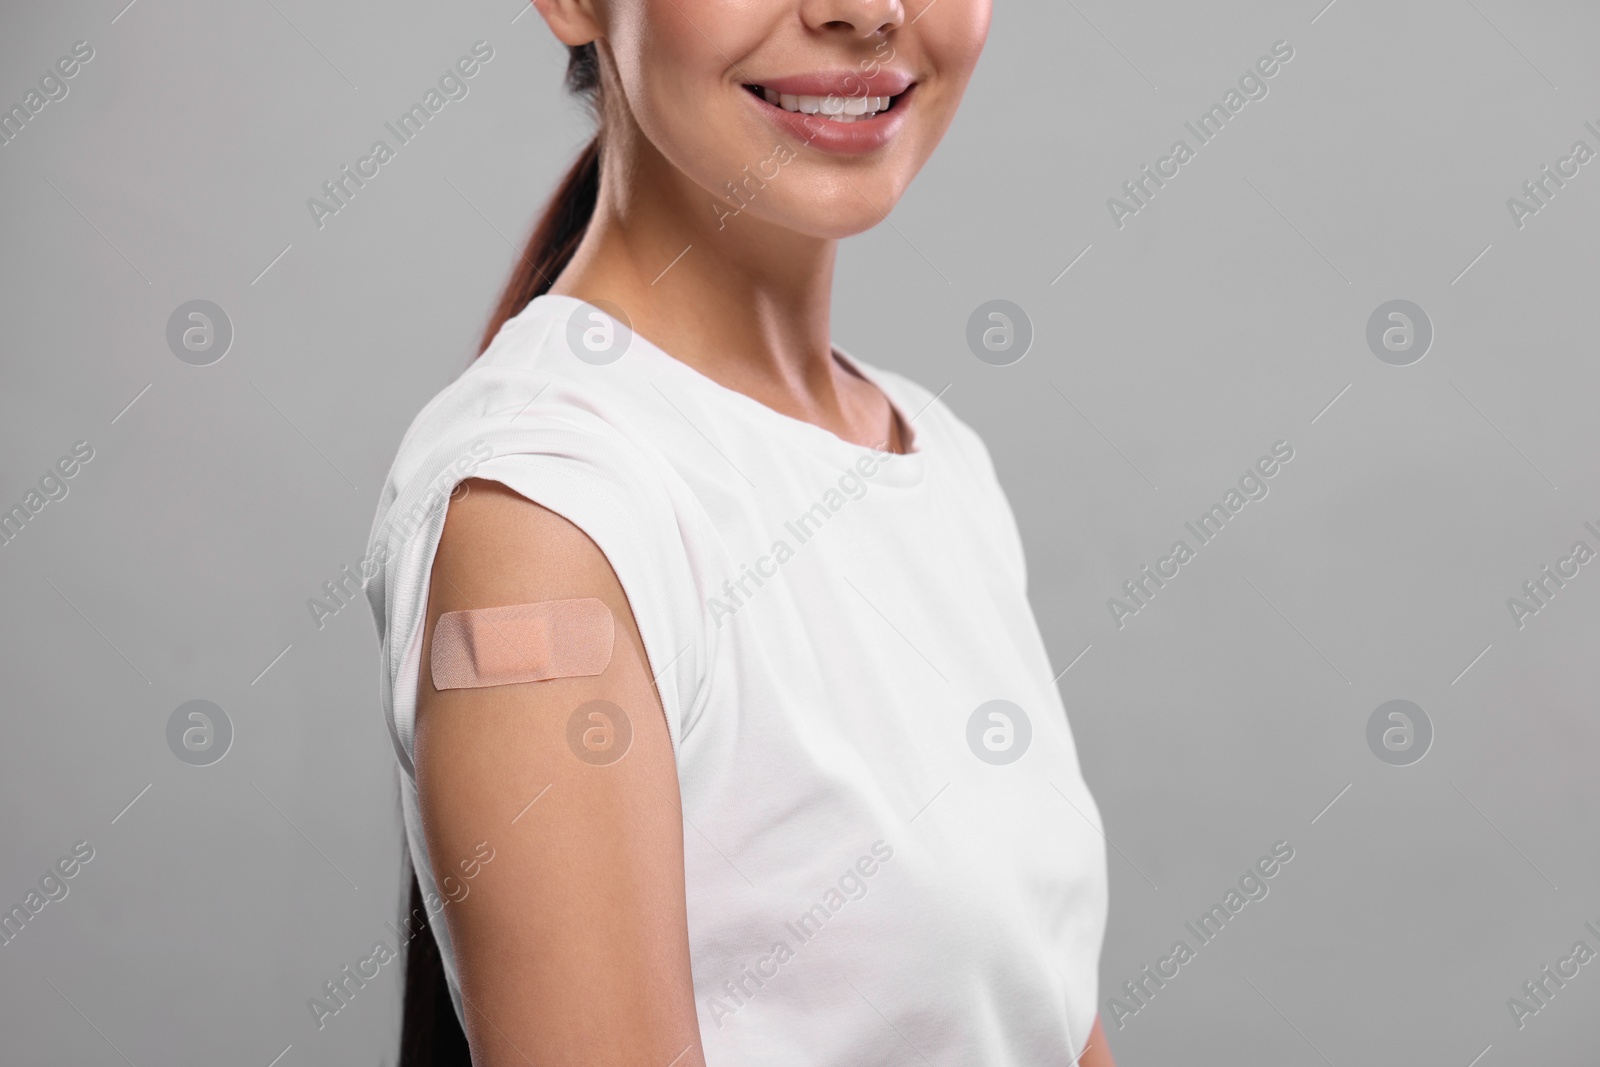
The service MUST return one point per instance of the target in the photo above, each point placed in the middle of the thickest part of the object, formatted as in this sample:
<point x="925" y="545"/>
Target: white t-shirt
<point x="882" y="867"/>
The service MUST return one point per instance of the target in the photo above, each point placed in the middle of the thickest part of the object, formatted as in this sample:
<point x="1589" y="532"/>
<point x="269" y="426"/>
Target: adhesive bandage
<point x="521" y="643"/>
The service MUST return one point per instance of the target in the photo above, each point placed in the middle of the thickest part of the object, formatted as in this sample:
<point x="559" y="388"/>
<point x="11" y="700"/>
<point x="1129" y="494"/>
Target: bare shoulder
<point x="497" y="542"/>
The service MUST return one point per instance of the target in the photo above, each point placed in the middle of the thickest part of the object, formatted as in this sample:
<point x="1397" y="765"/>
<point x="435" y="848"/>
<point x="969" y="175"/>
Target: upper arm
<point x="1096" y="1053"/>
<point x="572" y="945"/>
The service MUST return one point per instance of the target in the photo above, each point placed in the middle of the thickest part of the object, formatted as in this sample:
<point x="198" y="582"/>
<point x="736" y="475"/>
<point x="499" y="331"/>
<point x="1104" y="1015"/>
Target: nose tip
<point x="859" y="18"/>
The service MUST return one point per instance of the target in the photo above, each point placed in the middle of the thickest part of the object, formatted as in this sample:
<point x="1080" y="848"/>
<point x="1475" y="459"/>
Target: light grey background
<point x="1225" y="316"/>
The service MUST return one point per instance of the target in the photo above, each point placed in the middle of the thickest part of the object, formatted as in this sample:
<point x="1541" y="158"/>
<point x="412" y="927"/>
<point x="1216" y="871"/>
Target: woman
<point x="773" y="770"/>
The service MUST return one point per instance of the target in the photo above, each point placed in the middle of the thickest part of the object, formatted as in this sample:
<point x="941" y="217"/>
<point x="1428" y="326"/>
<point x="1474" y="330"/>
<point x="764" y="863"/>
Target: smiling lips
<point x="848" y="112"/>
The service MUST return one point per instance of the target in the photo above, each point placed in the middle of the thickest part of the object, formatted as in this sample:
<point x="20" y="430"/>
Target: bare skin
<point x="573" y="944"/>
<point x="748" y="303"/>
<point x="1097" y="1053"/>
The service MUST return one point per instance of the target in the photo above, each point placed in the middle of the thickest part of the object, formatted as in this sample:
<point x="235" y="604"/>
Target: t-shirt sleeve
<point x="599" y="481"/>
<point x="982" y="465"/>
<point x="970" y="456"/>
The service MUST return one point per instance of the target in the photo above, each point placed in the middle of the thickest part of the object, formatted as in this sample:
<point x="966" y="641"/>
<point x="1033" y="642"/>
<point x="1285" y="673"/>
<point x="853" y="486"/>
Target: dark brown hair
<point x="430" y="1036"/>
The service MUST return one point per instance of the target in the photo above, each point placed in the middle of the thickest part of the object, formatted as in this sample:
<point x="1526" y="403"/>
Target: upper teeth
<point x="837" y="108"/>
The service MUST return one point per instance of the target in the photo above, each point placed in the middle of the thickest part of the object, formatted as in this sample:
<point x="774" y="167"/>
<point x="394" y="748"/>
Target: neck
<point x="741" y="300"/>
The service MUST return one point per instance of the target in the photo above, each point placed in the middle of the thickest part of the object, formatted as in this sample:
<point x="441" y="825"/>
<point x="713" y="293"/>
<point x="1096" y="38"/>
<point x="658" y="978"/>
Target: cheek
<point x="677" y="78"/>
<point x="948" y="44"/>
<point x="672" y="53"/>
<point x="955" y="41"/>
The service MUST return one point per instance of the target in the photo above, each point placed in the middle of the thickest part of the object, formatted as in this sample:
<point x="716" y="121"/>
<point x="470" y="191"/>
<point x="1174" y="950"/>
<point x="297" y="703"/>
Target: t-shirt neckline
<point x="898" y="468"/>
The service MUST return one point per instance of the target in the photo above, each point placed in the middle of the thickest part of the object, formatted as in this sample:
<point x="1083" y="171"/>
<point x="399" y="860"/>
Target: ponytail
<point x="566" y="217"/>
<point x="430" y="1035"/>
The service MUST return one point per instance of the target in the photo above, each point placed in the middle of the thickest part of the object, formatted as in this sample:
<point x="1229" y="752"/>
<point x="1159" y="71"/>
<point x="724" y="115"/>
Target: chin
<point x="828" y="206"/>
<point x="847" y="220"/>
<point x="829" y="220"/>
